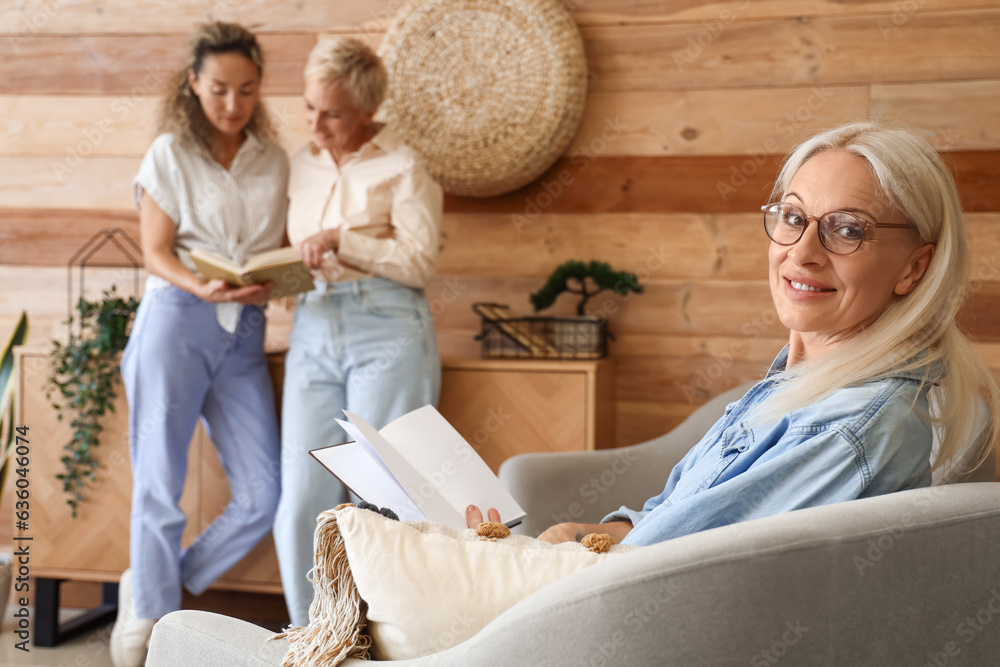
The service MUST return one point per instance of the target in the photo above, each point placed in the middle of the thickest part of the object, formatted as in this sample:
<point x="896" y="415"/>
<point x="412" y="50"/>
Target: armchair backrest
<point x="961" y="468"/>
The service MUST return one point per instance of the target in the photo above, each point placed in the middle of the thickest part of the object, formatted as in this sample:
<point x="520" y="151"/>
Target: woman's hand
<point x="314" y="247"/>
<point x="574" y="532"/>
<point x="218" y="291"/>
<point x="474" y="516"/>
<point x="563" y="532"/>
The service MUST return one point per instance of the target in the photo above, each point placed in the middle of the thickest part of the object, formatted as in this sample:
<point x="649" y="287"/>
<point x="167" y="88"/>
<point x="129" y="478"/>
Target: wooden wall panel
<point x="654" y="246"/>
<point x="40" y="17"/>
<point x="37" y="237"/>
<point x="44" y="17"/>
<point x="702" y="122"/>
<point x="954" y="115"/>
<point x="67" y="181"/>
<point x="659" y="246"/>
<point x="127" y="65"/>
<point x="674" y="246"/>
<point x="694" y="123"/>
<point x="616" y="12"/>
<point x="706" y="184"/>
<point x="928" y="46"/>
<point x="816" y="52"/>
<point x="574" y="184"/>
<point x="123" y="126"/>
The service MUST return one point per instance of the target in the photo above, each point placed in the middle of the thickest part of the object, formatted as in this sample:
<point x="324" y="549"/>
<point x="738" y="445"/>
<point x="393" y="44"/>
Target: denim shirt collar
<point x="917" y="375"/>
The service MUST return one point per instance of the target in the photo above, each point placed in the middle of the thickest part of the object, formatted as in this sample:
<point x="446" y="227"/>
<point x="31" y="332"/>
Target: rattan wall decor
<point x="489" y="92"/>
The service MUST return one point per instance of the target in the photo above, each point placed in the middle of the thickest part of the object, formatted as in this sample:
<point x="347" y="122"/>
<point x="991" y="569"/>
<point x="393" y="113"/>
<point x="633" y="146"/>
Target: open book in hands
<point x="282" y="266"/>
<point x="418" y="466"/>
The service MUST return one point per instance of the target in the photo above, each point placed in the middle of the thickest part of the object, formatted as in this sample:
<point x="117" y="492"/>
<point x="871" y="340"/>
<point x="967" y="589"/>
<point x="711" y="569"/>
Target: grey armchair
<point x="911" y="578"/>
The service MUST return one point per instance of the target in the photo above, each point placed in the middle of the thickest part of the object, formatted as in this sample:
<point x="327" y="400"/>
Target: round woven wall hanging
<point x="489" y="92"/>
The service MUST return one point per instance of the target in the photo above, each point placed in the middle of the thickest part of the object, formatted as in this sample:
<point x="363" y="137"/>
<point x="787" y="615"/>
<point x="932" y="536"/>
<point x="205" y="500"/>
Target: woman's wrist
<point x="331" y="239"/>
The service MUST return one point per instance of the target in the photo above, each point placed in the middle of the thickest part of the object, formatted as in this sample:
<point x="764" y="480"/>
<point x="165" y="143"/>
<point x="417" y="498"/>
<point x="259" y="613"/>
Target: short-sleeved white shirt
<point x="236" y="212"/>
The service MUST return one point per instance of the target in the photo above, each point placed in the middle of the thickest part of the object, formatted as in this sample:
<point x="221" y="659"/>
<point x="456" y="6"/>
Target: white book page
<point x="285" y="255"/>
<point x="216" y="259"/>
<point x="449" y="464"/>
<point x="425" y="495"/>
<point x="359" y="439"/>
<point x="353" y="465"/>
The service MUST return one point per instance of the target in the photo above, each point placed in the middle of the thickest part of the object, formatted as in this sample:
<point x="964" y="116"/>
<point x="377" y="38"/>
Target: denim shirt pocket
<point x="737" y="439"/>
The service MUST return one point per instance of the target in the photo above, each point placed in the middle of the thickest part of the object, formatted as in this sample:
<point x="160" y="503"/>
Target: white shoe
<point x="130" y="636"/>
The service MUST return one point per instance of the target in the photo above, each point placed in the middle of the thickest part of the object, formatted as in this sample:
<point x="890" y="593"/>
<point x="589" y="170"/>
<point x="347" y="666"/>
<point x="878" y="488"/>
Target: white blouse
<point x="236" y="212"/>
<point x="387" y="206"/>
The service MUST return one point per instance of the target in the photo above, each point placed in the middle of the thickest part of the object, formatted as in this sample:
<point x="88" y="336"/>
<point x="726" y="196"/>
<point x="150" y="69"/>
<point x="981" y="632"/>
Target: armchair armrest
<point x="585" y="486"/>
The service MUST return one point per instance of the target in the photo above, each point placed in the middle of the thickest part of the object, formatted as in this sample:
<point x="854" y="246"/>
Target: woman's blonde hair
<point x="181" y="112"/>
<point x="917" y="331"/>
<point x="351" y="64"/>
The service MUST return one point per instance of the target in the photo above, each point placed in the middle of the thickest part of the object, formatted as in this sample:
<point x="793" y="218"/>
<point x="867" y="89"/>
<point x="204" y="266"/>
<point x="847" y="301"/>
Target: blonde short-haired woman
<point x="868" y="266"/>
<point x="366" y="216"/>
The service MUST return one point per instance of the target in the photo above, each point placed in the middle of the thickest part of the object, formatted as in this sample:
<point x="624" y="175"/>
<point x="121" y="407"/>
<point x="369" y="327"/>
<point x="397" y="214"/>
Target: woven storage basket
<point x="489" y="92"/>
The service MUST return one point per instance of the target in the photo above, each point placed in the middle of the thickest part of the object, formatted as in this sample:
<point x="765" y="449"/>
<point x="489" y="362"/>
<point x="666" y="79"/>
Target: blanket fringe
<point x="337" y="615"/>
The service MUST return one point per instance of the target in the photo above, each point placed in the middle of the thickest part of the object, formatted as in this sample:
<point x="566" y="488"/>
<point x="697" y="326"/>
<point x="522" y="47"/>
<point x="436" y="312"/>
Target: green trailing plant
<point x="8" y="432"/>
<point x="85" y="371"/>
<point x="586" y="280"/>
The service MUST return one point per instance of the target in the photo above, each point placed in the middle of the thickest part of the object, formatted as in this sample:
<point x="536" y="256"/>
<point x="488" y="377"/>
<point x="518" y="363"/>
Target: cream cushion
<point x="429" y="587"/>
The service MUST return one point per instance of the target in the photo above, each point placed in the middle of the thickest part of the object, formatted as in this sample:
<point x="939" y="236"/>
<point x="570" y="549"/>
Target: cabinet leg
<point x="48" y="631"/>
<point x="46" y="612"/>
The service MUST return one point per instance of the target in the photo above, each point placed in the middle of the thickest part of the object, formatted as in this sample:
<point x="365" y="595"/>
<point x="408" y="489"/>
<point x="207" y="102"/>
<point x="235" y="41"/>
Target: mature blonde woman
<point x="366" y="217"/>
<point x="212" y="179"/>
<point x="868" y="265"/>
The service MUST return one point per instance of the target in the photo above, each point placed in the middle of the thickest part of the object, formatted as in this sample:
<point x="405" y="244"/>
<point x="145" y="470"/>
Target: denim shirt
<point x="858" y="442"/>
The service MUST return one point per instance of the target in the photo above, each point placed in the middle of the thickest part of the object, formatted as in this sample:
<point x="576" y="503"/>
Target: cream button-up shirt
<point x="383" y="200"/>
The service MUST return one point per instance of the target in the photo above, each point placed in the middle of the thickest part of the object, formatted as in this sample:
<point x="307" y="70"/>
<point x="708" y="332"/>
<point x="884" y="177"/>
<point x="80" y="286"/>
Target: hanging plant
<point x="85" y="371"/>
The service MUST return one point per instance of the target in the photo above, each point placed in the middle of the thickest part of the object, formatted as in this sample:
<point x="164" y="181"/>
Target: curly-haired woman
<point x="212" y="179"/>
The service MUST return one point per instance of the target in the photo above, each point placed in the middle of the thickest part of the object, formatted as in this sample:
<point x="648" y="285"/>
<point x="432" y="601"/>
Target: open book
<point x="282" y="266"/>
<point x="418" y="466"/>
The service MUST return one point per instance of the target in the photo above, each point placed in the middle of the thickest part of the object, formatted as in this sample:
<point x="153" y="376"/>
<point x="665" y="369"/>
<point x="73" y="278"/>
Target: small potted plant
<point x="588" y="333"/>
<point x="581" y="337"/>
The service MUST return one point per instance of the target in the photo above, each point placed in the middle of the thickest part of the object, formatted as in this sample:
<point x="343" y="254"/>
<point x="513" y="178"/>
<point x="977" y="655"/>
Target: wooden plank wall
<point x="691" y="105"/>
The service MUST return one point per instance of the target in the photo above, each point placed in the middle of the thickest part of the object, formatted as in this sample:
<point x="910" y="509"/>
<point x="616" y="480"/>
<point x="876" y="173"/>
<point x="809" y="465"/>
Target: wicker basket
<point x="540" y="337"/>
<point x="489" y="92"/>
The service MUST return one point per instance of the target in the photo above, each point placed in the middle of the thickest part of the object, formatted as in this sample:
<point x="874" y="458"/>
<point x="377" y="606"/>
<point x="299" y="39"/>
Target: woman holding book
<point x="366" y="216"/>
<point x="213" y="179"/>
<point x="868" y="266"/>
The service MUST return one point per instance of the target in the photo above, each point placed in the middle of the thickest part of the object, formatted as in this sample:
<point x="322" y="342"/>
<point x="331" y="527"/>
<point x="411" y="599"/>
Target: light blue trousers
<point x="180" y="365"/>
<point x="367" y="346"/>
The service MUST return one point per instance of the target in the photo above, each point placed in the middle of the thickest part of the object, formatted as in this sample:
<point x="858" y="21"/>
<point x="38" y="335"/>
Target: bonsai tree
<point x="586" y="280"/>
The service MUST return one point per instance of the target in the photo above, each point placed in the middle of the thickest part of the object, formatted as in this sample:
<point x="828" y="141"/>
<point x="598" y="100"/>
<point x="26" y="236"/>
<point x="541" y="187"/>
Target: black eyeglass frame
<point x="867" y="224"/>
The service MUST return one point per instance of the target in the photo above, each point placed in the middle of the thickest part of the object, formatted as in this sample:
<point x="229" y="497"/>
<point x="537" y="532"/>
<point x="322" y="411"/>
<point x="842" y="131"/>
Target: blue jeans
<point x="367" y="346"/>
<point x="180" y="365"/>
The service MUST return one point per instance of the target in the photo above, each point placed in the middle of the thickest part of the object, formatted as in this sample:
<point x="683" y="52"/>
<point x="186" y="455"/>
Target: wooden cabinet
<point x="94" y="546"/>
<point x="505" y="407"/>
<point x="502" y="407"/>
